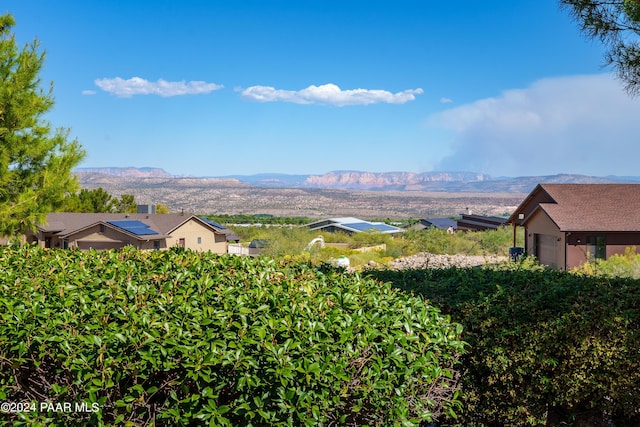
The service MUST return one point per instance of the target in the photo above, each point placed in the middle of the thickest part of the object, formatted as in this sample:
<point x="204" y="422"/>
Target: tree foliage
<point x="616" y="23"/>
<point x="98" y="200"/>
<point x="35" y="160"/>
<point x="162" y="209"/>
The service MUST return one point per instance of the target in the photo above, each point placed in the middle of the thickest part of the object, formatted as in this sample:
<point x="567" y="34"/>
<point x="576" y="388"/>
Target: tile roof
<point x="591" y="207"/>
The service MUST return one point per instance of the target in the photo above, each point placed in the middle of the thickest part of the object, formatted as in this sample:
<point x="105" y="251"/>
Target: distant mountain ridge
<point x="389" y="180"/>
<point x="426" y="181"/>
<point x="357" y="180"/>
<point x="127" y="172"/>
<point x="361" y="180"/>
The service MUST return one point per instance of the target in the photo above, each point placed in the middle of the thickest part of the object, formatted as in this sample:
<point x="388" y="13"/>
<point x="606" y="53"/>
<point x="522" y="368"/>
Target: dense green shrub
<point x="183" y="338"/>
<point x="546" y="347"/>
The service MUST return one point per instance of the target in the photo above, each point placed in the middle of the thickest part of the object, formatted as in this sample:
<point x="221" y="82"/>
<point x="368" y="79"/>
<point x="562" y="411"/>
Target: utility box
<point x="515" y="252"/>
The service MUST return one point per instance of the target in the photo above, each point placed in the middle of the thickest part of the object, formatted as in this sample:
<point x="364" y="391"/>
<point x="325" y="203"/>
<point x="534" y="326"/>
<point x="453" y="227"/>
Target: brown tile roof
<point x="593" y="207"/>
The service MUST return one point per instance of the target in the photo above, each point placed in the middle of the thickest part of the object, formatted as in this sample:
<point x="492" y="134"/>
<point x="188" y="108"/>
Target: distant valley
<point x="341" y="193"/>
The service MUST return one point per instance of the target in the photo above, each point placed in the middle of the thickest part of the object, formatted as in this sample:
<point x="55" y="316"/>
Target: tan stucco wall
<point x="110" y="238"/>
<point x="191" y="230"/>
<point x="540" y="223"/>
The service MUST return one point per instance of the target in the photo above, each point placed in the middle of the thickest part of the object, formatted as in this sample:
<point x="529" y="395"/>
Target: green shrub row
<point x="183" y="338"/>
<point x="546" y="347"/>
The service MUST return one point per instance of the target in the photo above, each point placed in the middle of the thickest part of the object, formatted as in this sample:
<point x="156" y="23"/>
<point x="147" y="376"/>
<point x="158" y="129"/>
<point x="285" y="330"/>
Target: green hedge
<point x="546" y="347"/>
<point x="182" y="338"/>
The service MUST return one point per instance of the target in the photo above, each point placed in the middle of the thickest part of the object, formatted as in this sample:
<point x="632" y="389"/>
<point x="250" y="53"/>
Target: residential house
<point x="471" y="222"/>
<point x="439" y="223"/>
<point x="352" y="225"/>
<point x="143" y="231"/>
<point x="568" y="224"/>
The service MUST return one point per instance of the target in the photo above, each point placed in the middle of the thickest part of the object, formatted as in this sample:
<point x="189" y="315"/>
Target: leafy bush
<point x="546" y="347"/>
<point x="182" y="338"/>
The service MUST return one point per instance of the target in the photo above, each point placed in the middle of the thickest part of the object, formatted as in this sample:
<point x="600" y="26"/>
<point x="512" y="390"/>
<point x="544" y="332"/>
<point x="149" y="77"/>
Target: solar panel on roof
<point x="384" y="227"/>
<point x="212" y="222"/>
<point x="364" y="226"/>
<point x="134" y="227"/>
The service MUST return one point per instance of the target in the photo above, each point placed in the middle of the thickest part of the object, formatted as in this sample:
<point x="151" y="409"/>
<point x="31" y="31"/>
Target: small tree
<point x="35" y="161"/>
<point x="616" y="23"/>
<point x="162" y="209"/>
<point x="125" y="204"/>
<point x="98" y="200"/>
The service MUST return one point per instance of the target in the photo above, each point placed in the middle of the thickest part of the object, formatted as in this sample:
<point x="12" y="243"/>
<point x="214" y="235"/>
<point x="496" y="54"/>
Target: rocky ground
<point x="427" y="260"/>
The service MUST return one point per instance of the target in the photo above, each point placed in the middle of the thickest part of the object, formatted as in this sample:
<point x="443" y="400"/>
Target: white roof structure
<point x="353" y="225"/>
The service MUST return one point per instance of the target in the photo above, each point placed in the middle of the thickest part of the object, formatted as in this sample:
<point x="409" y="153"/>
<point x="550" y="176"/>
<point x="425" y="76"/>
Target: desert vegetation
<point x="293" y="241"/>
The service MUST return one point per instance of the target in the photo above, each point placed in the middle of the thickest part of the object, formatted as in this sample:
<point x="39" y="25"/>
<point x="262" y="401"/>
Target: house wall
<point x="617" y="243"/>
<point x="191" y="230"/>
<point x="93" y="238"/>
<point x="540" y="223"/>
<point x="532" y="205"/>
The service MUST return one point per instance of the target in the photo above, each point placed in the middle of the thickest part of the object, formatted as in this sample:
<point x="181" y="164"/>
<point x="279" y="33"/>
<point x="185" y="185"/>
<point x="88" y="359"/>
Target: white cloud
<point x="88" y="92"/>
<point x="446" y="100"/>
<point x="577" y="124"/>
<point x="329" y="94"/>
<point x="138" y="86"/>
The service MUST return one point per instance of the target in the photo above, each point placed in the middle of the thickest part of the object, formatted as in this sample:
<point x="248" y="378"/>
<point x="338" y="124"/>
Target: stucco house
<point x="568" y="224"/>
<point x="143" y="231"/>
<point x="471" y="222"/>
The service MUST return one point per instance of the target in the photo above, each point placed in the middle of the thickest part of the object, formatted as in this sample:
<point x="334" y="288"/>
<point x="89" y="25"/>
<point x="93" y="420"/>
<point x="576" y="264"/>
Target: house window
<point x="102" y="228"/>
<point x="181" y="242"/>
<point x="199" y="240"/>
<point x="156" y="245"/>
<point x="597" y="247"/>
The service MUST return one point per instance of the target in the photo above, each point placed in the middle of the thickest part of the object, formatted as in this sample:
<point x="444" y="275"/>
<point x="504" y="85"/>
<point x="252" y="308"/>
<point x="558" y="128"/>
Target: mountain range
<point x="362" y="180"/>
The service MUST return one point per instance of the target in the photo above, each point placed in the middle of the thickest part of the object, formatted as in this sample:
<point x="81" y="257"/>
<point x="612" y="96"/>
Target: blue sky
<point x="215" y="88"/>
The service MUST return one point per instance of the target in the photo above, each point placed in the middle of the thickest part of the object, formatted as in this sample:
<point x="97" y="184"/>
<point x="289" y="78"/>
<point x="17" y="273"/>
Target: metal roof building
<point x="352" y="225"/>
